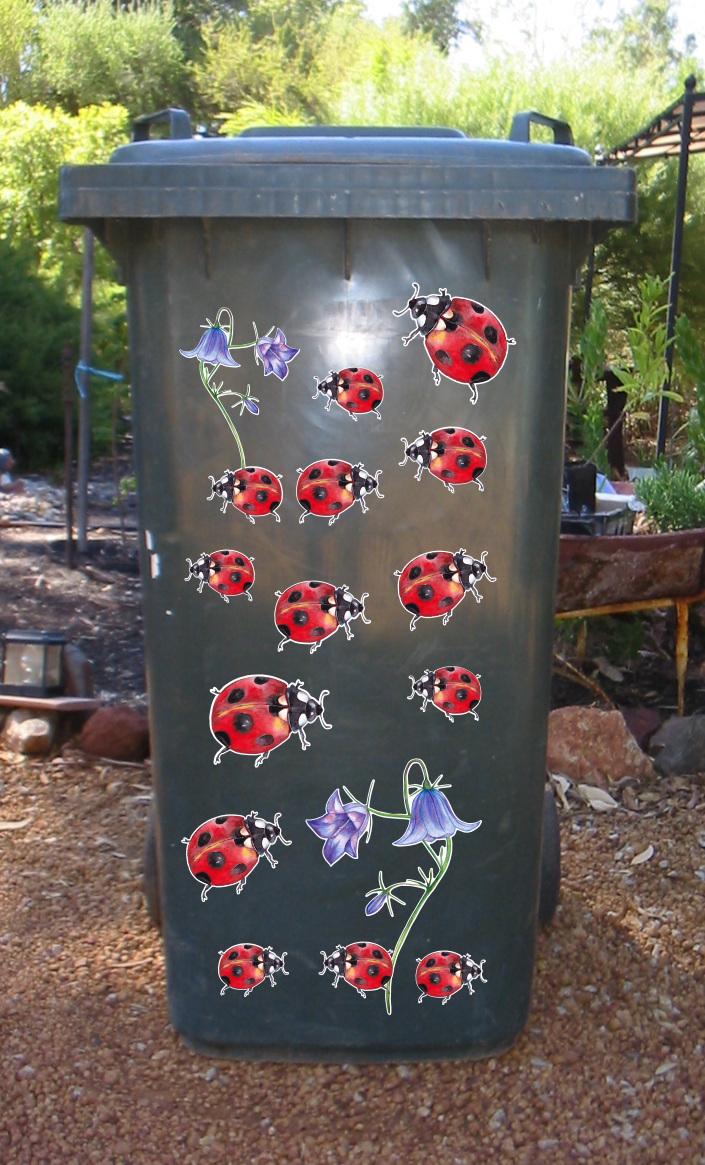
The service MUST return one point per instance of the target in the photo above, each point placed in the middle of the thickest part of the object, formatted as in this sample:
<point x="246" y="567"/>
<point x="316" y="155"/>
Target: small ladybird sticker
<point x="309" y="612"/>
<point x="454" y="690"/>
<point x="254" y="491"/>
<point x="464" y="340"/>
<point x="225" y="849"/>
<point x="245" y="965"/>
<point x="327" y="488"/>
<point x="255" y="714"/>
<point x="433" y="584"/>
<point x="356" y="390"/>
<point x="227" y="572"/>
<point x="442" y="974"/>
<point x="454" y="455"/>
<point x="365" y="966"/>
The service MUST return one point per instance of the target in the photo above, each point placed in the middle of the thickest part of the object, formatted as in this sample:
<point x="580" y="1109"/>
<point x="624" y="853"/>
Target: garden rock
<point x="583" y="742"/>
<point x="679" y="745"/>
<point x="28" y="733"/>
<point x="78" y="672"/>
<point x="116" y="733"/>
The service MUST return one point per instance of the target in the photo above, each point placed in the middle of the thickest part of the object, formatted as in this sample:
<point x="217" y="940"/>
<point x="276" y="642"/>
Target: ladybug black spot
<point x="224" y="979"/>
<point x="342" y="480"/>
<point x="430" y="962"/>
<point x="299" y="618"/>
<point x="305" y="504"/>
<point x="434" y="978"/>
<point x="222" y="738"/>
<point x="314" y="584"/>
<point x="415" y="572"/>
<point x="425" y="592"/>
<point x="449" y="430"/>
<point x="477" y="307"/>
<point x="353" y="370"/>
<point x="284" y="630"/>
<point x="266" y="479"/>
<point x="222" y="586"/>
<point x="431" y="555"/>
<point x="480" y="377"/>
<point x="423" y="988"/>
<point x="246" y="585"/>
<point x="384" y="980"/>
<point x="242" y="722"/>
<point x="235" y="696"/>
<point x="235" y="576"/>
<point x="220" y="820"/>
<point x="461" y="694"/>
<point x="477" y="472"/>
<point x="413" y="607"/>
<point x="317" y="632"/>
<point x="204" y="838"/>
<point x="247" y="506"/>
<point x="265" y="740"/>
<point x="238" y="869"/>
<point x="447" y="704"/>
<point x="447" y="473"/>
<point x="332" y="462"/>
<point x="463" y="461"/>
<point x="446" y="953"/>
<point x="319" y="493"/>
<point x="237" y="972"/>
<point x="377" y="954"/>
<point x="314" y="474"/>
<point x="216" y="861"/>
<point x="373" y="970"/>
<point x="233" y="954"/>
<point x="295" y="596"/>
<point x="204" y="877"/>
<point x="466" y="678"/>
<point x="261" y="495"/>
<point x="239" y="561"/>
<point x="335" y="506"/>
<point x="448" y="988"/>
<point x="359" y="981"/>
<point x="361" y="945"/>
<point x="364" y="394"/>
<point x="446" y="602"/>
<point x="443" y="357"/>
<point x="491" y="334"/>
<point x="273" y="505"/>
<point x="450" y="669"/>
<point x="367" y="378"/>
<point x="376" y="402"/>
<point x="261" y="679"/>
<point x="250" y="981"/>
<point x="252" y="470"/>
<point x="470" y="354"/>
<point x="468" y="442"/>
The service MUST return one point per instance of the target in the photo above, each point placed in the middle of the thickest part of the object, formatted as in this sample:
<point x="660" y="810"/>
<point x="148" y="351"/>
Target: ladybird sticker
<point x="227" y="572"/>
<point x="454" y="455"/>
<point x="255" y="492"/>
<point x="356" y="390"/>
<point x="245" y="965"/>
<point x="224" y="850"/>
<point x="255" y="714"/>
<point x="464" y="340"/>
<point x="365" y="966"/>
<point x="433" y="584"/>
<point x="454" y="690"/>
<point x="327" y="488"/>
<point x="441" y="974"/>
<point x="309" y="612"/>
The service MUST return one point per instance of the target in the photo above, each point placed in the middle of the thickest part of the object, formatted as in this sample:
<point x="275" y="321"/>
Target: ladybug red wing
<point x="368" y="967"/>
<point x="439" y="975"/>
<point x="359" y="391"/>
<point x="468" y="344"/>
<point x="221" y="853"/>
<point x="457" y="457"/>
<point x="430" y="586"/>
<point x="456" y="691"/>
<point x="325" y="489"/>
<point x="229" y="572"/>
<point x="306" y="613"/>
<point x="245" y="965"/>
<point x="250" y="715"/>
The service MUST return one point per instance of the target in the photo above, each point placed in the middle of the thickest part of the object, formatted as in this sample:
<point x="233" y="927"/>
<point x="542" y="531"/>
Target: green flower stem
<point x="405" y="781"/>
<point x="205" y="377"/>
<point x="253" y="342"/>
<point x="381" y="813"/>
<point x="442" y="868"/>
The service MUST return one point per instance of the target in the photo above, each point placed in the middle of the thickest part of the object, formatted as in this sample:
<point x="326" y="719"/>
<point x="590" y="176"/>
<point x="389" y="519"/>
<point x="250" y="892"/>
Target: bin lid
<point x="350" y="172"/>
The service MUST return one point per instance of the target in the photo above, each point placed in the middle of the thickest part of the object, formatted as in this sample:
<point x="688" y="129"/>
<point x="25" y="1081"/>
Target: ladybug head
<point x="471" y="569"/>
<point x="364" y="482"/>
<point x="334" y="962"/>
<point x="264" y="833"/>
<point x="347" y="607"/>
<point x="419" y="450"/>
<point x="272" y="962"/>
<point x="426" y="310"/>
<point x="304" y="708"/>
<point x="470" y="970"/>
<point x="200" y="568"/>
<point x="423" y="686"/>
<point x="328" y="387"/>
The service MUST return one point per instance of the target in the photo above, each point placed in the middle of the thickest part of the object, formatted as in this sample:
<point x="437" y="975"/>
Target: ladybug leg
<point x="225" y="598"/>
<point x="204" y="893"/>
<point x="437" y="378"/>
<point x="362" y="993"/>
<point x="330" y="402"/>
<point x="224" y="506"/>
<point x="425" y="702"/>
<point x="249" y="596"/>
<point x="240" y="886"/>
<point x="301" y="519"/>
<point x="223" y="990"/>
<point x="451" y="718"/>
<point x="281" y="644"/>
<point x="420" y="996"/>
<point x="330" y="520"/>
<point x="272" y="861"/>
<point x="480" y="486"/>
<point x="348" y="632"/>
<point x="377" y="414"/>
<point x="445" y="1000"/>
<point x="314" y="648"/>
<point x="248" y="516"/>
<point x="473" y="394"/>
<point x="249" y="991"/>
<point x="362" y="503"/>
<point x="304" y="743"/>
<point x="407" y="339"/>
<point x="335" y="981"/>
<point x="477" y="595"/>
<point x="449" y="487"/>
<point x="412" y="625"/>
<point x="216" y="759"/>
<point x="201" y="585"/>
<point x="474" y="715"/>
<point x="447" y="616"/>
<point x="418" y="474"/>
<point x="261" y="758"/>
<point x="352" y="417"/>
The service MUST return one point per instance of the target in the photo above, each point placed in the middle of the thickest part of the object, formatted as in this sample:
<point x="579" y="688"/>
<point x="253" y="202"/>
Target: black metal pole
<point x="69" y="390"/>
<point x="84" y="406"/>
<point x="676" y="255"/>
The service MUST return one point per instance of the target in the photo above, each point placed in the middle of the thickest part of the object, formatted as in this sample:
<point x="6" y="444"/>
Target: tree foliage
<point x="440" y="20"/>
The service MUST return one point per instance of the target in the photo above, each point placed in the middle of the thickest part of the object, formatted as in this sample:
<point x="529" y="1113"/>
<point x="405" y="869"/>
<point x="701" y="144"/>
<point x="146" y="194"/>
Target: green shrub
<point x="672" y="498"/>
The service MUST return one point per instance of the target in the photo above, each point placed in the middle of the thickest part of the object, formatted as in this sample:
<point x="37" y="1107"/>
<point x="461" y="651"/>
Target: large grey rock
<point x="29" y="732"/>
<point x="679" y="745"/>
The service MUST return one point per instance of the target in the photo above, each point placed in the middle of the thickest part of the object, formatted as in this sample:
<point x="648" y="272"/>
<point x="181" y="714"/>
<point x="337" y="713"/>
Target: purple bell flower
<point x="432" y="819"/>
<point x="212" y="348"/>
<point x="342" y="826"/>
<point x="376" y="904"/>
<point x="275" y="354"/>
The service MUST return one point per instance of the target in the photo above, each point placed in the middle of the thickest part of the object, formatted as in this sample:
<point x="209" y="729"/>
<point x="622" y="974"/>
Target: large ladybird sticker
<point x="254" y="491"/>
<point x="309" y="612"/>
<point x="441" y="974"/>
<point x="227" y="572"/>
<point x="245" y="965"/>
<point x="223" y="851"/>
<point x="454" y="455"/>
<point x="433" y="584"/>
<point x="454" y="690"/>
<point x="327" y="488"/>
<point x="365" y="966"/>
<point x="464" y="340"/>
<point x="356" y="390"/>
<point x="255" y="714"/>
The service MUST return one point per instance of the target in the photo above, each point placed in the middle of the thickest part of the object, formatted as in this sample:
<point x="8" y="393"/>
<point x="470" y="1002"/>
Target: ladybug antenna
<point x="413" y="693"/>
<point x="379" y="474"/>
<point x="212" y="493"/>
<point x="364" y="596"/>
<point x="405" y="443"/>
<point x="325" y="956"/>
<point x="280" y="838"/>
<point x="316" y="392"/>
<point x="185" y="840"/>
<point x="414" y="296"/>
<point x="325" y="692"/>
<point x="190" y="567"/>
<point x="488" y="576"/>
<point x="283" y="968"/>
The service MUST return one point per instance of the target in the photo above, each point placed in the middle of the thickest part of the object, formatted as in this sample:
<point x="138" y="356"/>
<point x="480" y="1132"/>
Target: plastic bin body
<point x="331" y="283"/>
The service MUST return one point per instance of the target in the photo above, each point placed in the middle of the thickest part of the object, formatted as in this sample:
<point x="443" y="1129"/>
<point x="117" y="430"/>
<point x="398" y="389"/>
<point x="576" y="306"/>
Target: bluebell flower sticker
<point x="342" y="826"/>
<point x="212" y="348"/>
<point x="275" y="354"/>
<point x="432" y="819"/>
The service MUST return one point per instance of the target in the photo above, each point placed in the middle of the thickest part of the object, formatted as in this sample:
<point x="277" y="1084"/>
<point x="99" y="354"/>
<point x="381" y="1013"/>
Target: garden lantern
<point x="32" y="663"/>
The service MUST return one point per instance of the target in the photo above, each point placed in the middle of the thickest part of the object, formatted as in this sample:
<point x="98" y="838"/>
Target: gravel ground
<point x="610" y="1068"/>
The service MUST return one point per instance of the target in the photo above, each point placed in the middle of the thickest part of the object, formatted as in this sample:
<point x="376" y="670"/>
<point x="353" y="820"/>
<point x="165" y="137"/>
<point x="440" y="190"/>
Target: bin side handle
<point x="179" y="124"/>
<point x="521" y="128"/>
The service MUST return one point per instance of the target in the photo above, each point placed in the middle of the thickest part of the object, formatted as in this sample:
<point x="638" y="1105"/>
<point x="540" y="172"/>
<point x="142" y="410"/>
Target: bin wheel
<point x="550" y="860"/>
<point x="150" y="872"/>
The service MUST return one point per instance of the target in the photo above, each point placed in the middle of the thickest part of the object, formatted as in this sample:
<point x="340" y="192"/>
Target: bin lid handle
<point x="179" y="124"/>
<point x="521" y="128"/>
